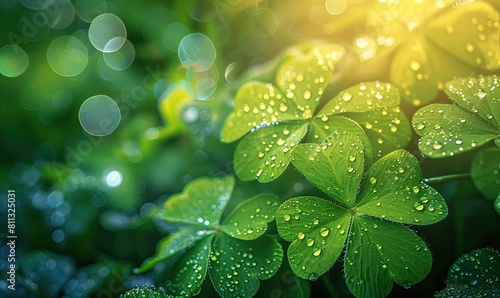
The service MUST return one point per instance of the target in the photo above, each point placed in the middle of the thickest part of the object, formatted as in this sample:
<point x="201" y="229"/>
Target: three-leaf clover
<point x="485" y="172"/>
<point x="280" y="115"/>
<point x="365" y="217"/>
<point x="232" y="251"/>
<point x="447" y="129"/>
<point x="474" y="274"/>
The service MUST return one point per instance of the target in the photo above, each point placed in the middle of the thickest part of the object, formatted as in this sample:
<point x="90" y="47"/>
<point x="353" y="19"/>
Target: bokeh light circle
<point x="99" y="115"/>
<point x="59" y="14"/>
<point x="67" y="56"/>
<point x="37" y="5"/>
<point x="335" y="7"/>
<point x="122" y="58"/>
<point x="107" y="33"/>
<point x="197" y="52"/>
<point x="13" y="61"/>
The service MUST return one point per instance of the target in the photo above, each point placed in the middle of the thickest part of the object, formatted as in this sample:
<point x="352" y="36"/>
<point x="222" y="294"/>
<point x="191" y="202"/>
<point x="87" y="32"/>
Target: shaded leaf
<point x="202" y="201"/>
<point x="171" y="245"/>
<point x="265" y="154"/>
<point x="393" y="190"/>
<point x="249" y="219"/>
<point x="317" y="229"/>
<point x="335" y="166"/>
<point x="145" y="293"/>
<point x="474" y="274"/>
<point x="379" y="252"/>
<point x="237" y="265"/>
<point x="191" y="269"/>
<point x="485" y="172"/>
<point x="285" y="284"/>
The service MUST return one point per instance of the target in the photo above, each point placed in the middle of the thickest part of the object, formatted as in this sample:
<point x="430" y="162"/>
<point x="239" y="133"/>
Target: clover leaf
<point x="366" y="214"/>
<point x="279" y="116"/>
<point x="485" y="172"/>
<point x="233" y="251"/>
<point x="447" y="130"/>
<point x="145" y="293"/>
<point x="474" y="274"/>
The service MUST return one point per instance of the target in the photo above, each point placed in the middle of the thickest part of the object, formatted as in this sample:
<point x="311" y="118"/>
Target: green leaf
<point x="335" y="166"/>
<point x="362" y="97"/>
<point x="202" y="202"/>
<point x="387" y="129"/>
<point x="237" y="265"/>
<point x="485" y="172"/>
<point x="317" y="230"/>
<point x="480" y="96"/>
<point x="300" y="82"/>
<point x="191" y="269"/>
<point x="145" y="293"/>
<point x="447" y="130"/>
<point x="393" y="190"/>
<point x="480" y="48"/>
<point x="379" y="249"/>
<point x="474" y="274"/>
<point x="304" y="75"/>
<point x="171" y="245"/>
<point x="378" y="252"/>
<point x="249" y="219"/>
<point x="265" y="154"/>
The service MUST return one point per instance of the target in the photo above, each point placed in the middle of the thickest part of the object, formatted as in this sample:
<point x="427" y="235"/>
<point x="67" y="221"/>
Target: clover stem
<point x="446" y="178"/>
<point x="329" y="286"/>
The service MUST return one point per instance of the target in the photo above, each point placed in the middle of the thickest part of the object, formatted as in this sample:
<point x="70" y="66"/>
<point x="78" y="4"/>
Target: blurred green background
<point x="90" y="179"/>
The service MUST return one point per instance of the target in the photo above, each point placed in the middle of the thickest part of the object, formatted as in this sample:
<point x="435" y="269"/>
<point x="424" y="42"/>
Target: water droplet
<point x="352" y="158"/>
<point x="286" y="132"/>
<point x="313" y="277"/>
<point x="373" y="180"/>
<point x="480" y="93"/>
<point x="324" y="232"/>
<point x="286" y="217"/>
<point x="307" y="94"/>
<point x="317" y="252"/>
<point x="310" y="242"/>
<point x="407" y="285"/>
<point x="420" y="126"/>
<point x="342" y="232"/>
<point x="261" y="154"/>
<point x="394" y="128"/>
<point x="419" y="207"/>
<point x="350" y="169"/>
<point x="437" y="146"/>
<point x="346" y="96"/>
<point x="301" y="235"/>
<point x="469" y="47"/>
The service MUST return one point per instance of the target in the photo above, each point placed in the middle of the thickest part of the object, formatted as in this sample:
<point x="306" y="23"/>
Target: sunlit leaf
<point x="335" y="166"/>
<point x="265" y="154"/>
<point x="202" y="201"/>
<point x="387" y="129"/>
<point x="249" y="219"/>
<point x="190" y="270"/>
<point x="171" y="245"/>
<point x="237" y="265"/>
<point x="475" y="21"/>
<point x="379" y="252"/>
<point x="362" y="97"/>
<point x="317" y="230"/>
<point x="485" y="172"/>
<point x="480" y="96"/>
<point x="393" y="190"/>
<point x="451" y="129"/>
<point x="474" y="274"/>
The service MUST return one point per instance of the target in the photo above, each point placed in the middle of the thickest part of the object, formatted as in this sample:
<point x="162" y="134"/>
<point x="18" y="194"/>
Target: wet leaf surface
<point x="379" y="249"/>
<point x="485" y="172"/>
